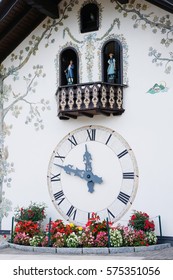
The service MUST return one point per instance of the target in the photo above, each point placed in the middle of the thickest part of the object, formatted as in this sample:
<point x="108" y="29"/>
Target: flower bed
<point x="96" y="233"/>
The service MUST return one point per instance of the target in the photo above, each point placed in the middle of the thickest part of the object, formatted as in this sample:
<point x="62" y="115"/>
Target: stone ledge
<point x="116" y="250"/>
<point x="44" y="249"/>
<point x="4" y="245"/>
<point x="21" y="247"/>
<point x="86" y="250"/>
<point x="69" y="251"/>
<point x="152" y="247"/>
<point x="96" y="251"/>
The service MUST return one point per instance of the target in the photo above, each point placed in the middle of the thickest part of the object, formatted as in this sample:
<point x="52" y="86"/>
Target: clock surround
<point x="92" y="169"/>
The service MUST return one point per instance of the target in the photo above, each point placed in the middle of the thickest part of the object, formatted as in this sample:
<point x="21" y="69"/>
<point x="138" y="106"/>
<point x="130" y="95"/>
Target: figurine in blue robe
<point x="69" y="72"/>
<point x="111" y="69"/>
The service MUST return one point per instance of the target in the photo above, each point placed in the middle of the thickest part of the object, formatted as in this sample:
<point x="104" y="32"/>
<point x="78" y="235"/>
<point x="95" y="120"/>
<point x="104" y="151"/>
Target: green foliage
<point x="34" y="212"/>
<point x="141" y="221"/>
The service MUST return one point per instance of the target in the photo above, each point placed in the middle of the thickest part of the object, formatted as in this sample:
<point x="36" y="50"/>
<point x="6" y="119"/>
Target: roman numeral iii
<point x="128" y="175"/>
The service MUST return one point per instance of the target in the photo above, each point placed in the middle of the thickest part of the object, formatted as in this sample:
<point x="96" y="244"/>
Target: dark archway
<point x="89" y="18"/>
<point x="66" y="56"/>
<point x="114" y="47"/>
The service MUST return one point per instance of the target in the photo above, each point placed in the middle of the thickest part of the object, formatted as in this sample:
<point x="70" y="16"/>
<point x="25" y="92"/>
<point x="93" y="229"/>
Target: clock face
<point x="93" y="169"/>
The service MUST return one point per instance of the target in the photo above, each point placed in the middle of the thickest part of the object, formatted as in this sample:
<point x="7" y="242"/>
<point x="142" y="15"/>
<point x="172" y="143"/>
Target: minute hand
<point x="87" y="159"/>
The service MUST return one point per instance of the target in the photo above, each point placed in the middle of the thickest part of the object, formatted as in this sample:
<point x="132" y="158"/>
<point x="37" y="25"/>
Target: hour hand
<point x="69" y="169"/>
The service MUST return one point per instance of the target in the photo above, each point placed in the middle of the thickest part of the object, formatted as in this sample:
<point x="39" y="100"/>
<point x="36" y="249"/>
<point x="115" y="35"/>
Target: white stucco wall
<point x="146" y="123"/>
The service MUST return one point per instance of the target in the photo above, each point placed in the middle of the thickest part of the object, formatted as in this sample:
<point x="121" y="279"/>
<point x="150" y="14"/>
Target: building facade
<point x="42" y="105"/>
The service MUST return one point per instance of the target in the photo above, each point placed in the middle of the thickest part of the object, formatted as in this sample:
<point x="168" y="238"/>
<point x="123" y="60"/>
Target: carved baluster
<point x="79" y="98"/>
<point x="95" y="96"/>
<point x="119" y="98"/>
<point x="62" y="99"/>
<point x="87" y="97"/>
<point x="71" y="99"/>
<point x="111" y="97"/>
<point x="103" y="97"/>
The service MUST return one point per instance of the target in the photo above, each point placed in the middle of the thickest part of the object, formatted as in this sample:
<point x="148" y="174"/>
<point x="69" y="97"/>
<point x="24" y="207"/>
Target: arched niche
<point x="89" y="18"/>
<point x="66" y="56"/>
<point x="112" y="47"/>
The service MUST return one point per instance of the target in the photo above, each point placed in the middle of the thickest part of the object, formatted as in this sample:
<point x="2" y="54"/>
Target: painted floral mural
<point x="11" y="102"/>
<point x="138" y="13"/>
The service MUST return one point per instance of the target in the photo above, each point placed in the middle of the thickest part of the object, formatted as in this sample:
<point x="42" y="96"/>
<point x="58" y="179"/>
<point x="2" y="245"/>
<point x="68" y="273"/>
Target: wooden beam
<point x="86" y="114"/>
<point x="47" y="7"/>
<point x="68" y="115"/>
<point x="165" y="5"/>
<point x="5" y="7"/>
<point x="18" y="18"/>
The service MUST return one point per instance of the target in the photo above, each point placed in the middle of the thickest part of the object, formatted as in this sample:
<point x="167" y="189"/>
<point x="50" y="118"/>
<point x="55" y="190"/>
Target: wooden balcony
<point x="89" y="99"/>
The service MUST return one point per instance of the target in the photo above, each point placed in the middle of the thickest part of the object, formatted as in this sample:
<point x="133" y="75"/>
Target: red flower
<point x="133" y="217"/>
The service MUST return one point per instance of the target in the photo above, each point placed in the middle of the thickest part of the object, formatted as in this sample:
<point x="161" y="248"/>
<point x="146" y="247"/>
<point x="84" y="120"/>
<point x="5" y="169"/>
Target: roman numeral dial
<point x="92" y="169"/>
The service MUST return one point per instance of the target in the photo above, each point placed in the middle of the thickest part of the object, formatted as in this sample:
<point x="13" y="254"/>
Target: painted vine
<point x="144" y="19"/>
<point x="18" y="61"/>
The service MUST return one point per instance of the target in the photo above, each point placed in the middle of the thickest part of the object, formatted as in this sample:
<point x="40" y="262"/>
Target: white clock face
<point x="92" y="169"/>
